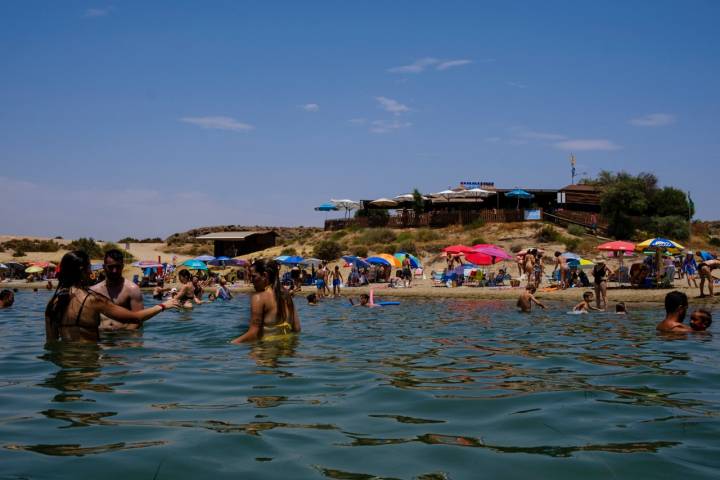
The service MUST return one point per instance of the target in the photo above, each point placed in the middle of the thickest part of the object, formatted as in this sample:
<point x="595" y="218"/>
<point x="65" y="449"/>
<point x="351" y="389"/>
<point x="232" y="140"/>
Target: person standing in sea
<point x="119" y="290"/>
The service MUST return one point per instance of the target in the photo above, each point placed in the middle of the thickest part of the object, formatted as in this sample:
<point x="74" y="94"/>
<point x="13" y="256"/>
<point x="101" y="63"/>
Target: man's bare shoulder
<point x="100" y="288"/>
<point x="131" y="287"/>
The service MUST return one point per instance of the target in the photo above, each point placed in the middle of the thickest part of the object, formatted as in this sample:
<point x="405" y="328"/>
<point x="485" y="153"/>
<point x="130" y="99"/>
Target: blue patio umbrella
<point x="326" y="207"/>
<point x="205" y="258"/>
<point x="519" y="193"/>
<point x="195" y="264"/>
<point x="281" y="258"/>
<point x="291" y="260"/>
<point x="356" y="261"/>
<point x="377" y="261"/>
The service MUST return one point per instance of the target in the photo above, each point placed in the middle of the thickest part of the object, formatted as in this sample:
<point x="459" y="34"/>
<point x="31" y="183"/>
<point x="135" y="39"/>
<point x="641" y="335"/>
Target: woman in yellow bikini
<point x="272" y="312"/>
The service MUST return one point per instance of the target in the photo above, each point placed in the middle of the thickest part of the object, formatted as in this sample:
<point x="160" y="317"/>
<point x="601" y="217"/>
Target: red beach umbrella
<point x="617" y="246"/>
<point x="456" y="249"/>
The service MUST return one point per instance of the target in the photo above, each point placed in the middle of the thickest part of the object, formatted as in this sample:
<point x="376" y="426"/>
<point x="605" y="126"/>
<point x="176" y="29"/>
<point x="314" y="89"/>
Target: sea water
<point x="426" y="389"/>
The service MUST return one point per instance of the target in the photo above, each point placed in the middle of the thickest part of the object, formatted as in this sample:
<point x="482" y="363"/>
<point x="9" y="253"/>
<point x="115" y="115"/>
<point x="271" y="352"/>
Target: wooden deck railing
<point x="408" y="219"/>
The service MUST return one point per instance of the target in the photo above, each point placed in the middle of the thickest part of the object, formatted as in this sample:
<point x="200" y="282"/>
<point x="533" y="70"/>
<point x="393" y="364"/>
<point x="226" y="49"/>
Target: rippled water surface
<point x="426" y="389"/>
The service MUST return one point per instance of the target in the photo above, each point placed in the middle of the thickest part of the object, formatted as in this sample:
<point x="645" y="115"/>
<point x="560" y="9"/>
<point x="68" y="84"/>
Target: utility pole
<point x="572" y="164"/>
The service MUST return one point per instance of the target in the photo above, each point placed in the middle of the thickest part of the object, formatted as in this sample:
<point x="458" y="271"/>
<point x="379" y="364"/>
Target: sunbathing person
<point x="586" y="304"/>
<point x="527" y="298"/>
<point x="700" y="320"/>
<point x="272" y="312"/>
<point x="73" y="313"/>
<point x="676" y="305"/>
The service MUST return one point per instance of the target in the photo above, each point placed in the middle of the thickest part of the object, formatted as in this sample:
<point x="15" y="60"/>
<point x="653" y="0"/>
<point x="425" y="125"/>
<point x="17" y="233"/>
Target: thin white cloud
<point x="392" y="106"/>
<point x="98" y="12"/>
<point x="310" y="107"/>
<point x="383" y="126"/>
<point x="653" y="120"/>
<point x="422" y="64"/>
<point x="587" y="145"/>
<point x="452" y="64"/>
<point x="517" y="84"/>
<point x="218" y="123"/>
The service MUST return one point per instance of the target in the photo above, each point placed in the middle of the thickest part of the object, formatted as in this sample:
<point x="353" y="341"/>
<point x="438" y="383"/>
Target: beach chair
<point x="667" y="280"/>
<point x="475" y="279"/>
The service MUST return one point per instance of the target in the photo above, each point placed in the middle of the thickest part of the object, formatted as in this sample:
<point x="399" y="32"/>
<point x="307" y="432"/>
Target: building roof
<point x="231" y="235"/>
<point x="580" y="188"/>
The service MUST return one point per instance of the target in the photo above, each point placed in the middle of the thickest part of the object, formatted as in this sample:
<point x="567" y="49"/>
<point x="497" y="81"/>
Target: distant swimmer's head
<point x="700" y="320"/>
<point x="557" y="254"/>
<point x="113" y="264"/>
<point x="7" y="298"/>
<point x="195" y="279"/>
<point x="212" y="297"/>
<point x="588" y="296"/>
<point x="531" y="289"/>
<point x="184" y="276"/>
<point x="620" y="308"/>
<point x="74" y="269"/>
<point x="676" y="303"/>
<point x="364" y="299"/>
<point x="312" y="299"/>
<point x="223" y="282"/>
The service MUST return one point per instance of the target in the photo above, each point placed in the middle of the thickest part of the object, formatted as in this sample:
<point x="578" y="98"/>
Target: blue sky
<point x="146" y="118"/>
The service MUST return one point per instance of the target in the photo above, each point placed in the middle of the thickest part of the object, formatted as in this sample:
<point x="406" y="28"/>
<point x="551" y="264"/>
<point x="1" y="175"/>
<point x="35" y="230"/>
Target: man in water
<point x="586" y="304"/>
<point x="700" y="320"/>
<point x="119" y="290"/>
<point x="561" y="263"/>
<point x="7" y="298"/>
<point x="527" y="298"/>
<point x="705" y="269"/>
<point x="676" y="306"/>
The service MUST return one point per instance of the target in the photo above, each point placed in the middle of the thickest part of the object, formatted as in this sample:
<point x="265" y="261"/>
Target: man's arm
<point x="136" y="298"/>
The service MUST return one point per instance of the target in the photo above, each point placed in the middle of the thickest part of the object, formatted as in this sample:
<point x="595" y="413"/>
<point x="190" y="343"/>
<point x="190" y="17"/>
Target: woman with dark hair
<point x="73" y="313"/>
<point x="272" y="312"/>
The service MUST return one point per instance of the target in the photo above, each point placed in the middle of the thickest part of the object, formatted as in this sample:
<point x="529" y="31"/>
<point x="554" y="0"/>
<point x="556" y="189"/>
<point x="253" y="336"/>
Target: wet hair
<point x="7" y="297"/>
<point x="675" y="300"/>
<point x="557" y="254"/>
<point x="620" y="307"/>
<point x="312" y="298"/>
<point x="115" y="254"/>
<point x="285" y="307"/>
<point x="184" y="273"/>
<point x="706" y="317"/>
<point x="73" y="268"/>
<point x="531" y="288"/>
<point x="364" y="296"/>
<point x="587" y="295"/>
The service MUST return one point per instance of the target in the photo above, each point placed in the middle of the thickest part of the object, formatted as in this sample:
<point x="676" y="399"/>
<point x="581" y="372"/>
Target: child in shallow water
<point x="586" y="304"/>
<point x="700" y="320"/>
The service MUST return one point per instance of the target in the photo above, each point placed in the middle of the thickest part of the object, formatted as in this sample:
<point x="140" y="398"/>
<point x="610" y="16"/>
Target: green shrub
<point x="378" y="235"/>
<point x="477" y="241"/>
<point x="407" y="247"/>
<point x="328" y="250"/>
<point x="714" y="241"/>
<point x="388" y="248"/>
<point x="516" y="248"/>
<point x="360" y="250"/>
<point x="576" y="230"/>
<point x="570" y="243"/>
<point x="2" y="248"/>
<point x="404" y="237"/>
<point x="434" y="247"/>
<point x="479" y="223"/>
<point x="110" y="246"/>
<point x="338" y="235"/>
<point x="87" y="245"/>
<point x="548" y="234"/>
<point x="672" y="226"/>
<point x="426" y="235"/>
<point x="288" y="251"/>
<point x="18" y="253"/>
<point x="27" y="245"/>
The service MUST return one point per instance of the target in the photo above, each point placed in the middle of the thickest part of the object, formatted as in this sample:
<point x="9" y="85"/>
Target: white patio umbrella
<point x="384" y="202"/>
<point x="477" y="193"/>
<point x="446" y="194"/>
<point x="346" y="204"/>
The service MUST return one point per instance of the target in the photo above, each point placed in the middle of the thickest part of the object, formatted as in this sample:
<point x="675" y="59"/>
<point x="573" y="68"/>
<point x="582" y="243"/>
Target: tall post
<point x="572" y="165"/>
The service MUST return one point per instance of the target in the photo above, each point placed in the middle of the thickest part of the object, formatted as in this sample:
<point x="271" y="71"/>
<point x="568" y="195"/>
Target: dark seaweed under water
<point x="427" y="389"/>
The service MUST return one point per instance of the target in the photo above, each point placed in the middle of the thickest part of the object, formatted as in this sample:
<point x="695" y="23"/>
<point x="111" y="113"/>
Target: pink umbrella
<point x="617" y="246"/>
<point x="482" y="259"/>
<point x="492" y="251"/>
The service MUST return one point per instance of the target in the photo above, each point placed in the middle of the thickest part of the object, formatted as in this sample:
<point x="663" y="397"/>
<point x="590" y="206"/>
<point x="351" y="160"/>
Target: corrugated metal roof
<point x="230" y="235"/>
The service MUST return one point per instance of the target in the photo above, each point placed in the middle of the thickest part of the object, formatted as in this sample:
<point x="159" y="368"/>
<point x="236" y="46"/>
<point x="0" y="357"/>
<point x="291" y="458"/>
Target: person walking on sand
<point x="600" y="275"/>
<point x="337" y="280"/>
<point x="73" y="313"/>
<point x="562" y="265"/>
<point x="689" y="268"/>
<point x="527" y="298"/>
<point x="272" y="312"/>
<point x="119" y="290"/>
<point x="676" y="306"/>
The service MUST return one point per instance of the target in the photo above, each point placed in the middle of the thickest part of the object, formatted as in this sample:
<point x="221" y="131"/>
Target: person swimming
<point x="527" y="298"/>
<point x="119" y="290"/>
<point x="73" y="313"/>
<point x="620" y="308"/>
<point x="700" y="320"/>
<point x="586" y="305"/>
<point x="7" y="298"/>
<point x="186" y="293"/>
<point x="312" y="299"/>
<point x="676" y="306"/>
<point x="272" y="312"/>
<point x="223" y="292"/>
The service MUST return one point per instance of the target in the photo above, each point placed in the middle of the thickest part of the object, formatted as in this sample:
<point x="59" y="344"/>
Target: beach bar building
<point x="232" y="244"/>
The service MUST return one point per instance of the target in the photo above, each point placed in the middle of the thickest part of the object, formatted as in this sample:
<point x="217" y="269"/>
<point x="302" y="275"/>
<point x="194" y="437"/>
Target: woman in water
<point x="73" y="313"/>
<point x="272" y="312"/>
